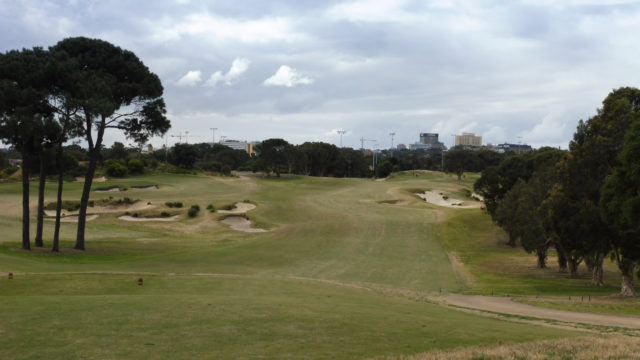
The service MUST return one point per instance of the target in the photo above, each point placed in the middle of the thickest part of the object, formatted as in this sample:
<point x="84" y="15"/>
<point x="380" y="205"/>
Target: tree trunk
<point x="541" y="254"/>
<point x="56" y="232"/>
<point x="627" y="267"/>
<point x="595" y="263"/>
<point x="41" y="184"/>
<point x="26" y="242"/>
<point x="84" y="199"/>
<point x="562" y="261"/>
<point x="573" y="266"/>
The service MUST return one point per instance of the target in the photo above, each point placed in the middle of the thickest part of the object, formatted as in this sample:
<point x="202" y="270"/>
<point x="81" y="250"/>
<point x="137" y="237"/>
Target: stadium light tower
<point x="392" y="135"/>
<point x="341" y="132"/>
<point x="213" y="135"/>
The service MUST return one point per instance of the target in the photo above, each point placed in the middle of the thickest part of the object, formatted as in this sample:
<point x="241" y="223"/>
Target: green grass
<point x="292" y="292"/>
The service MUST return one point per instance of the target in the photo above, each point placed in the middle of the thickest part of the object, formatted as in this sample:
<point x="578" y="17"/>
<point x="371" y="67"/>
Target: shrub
<point x="176" y="204"/>
<point x="165" y="214"/>
<point x="211" y="208"/>
<point x="135" y="166"/>
<point x="193" y="211"/>
<point x="115" y="169"/>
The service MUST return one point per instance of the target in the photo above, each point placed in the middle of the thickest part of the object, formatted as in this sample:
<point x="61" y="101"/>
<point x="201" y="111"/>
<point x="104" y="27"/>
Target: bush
<point x="193" y="210"/>
<point x="115" y="169"/>
<point x="6" y="172"/>
<point x="135" y="166"/>
<point x="165" y="214"/>
<point x="211" y="208"/>
<point x="176" y="204"/>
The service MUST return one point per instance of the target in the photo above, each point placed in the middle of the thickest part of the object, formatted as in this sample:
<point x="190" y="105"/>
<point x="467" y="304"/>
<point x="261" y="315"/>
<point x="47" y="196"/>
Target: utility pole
<point x="392" y="135"/>
<point x="213" y="135"/>
<point x="341" y="132"/>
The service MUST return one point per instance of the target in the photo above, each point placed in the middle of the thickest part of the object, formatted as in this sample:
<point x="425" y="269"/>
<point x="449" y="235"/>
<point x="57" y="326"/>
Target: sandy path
<point x="508" y="306"/>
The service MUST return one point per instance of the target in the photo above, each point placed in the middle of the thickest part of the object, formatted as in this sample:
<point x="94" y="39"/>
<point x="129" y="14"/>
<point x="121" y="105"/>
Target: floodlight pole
<point x="392" y="135"/>
<point x="213" y="135"/>
<point x="341" y="132"/>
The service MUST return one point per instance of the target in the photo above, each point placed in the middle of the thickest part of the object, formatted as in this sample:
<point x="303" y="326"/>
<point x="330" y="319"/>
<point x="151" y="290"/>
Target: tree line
<point x="584" y="202"/>
<point x="78" y="88"/>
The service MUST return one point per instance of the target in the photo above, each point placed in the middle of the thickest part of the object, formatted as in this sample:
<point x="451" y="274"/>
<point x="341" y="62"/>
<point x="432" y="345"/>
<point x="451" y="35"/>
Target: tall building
<point x="468" y="139"/>
<point x="428" y="138"/>
<point x="428" y="141"/>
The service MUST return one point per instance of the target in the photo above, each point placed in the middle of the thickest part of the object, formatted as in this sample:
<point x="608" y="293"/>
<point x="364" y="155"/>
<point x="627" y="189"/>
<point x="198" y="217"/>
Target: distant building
<point x="234" y="144"/>
<point x="515" y="148"/>
<point x="428" y="141"/>
<point x="250" y="148"/>
<point x="468" y="139"/>
<point x="401" y="147"/>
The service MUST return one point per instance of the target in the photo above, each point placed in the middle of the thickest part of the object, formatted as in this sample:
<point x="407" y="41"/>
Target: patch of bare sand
<point x="100" y="179"/>
<point x="111" y="189"/>
<point x="240" y="208"/>
<point x="144" y="219"/>
<point x="138" y="205"/>
<point x="438" y="198"/>
<point x="239" y="223"/>
<point x="74" y="219"/>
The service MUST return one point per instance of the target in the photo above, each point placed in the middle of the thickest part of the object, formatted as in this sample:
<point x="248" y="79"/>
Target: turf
<point x="301" y="290"/>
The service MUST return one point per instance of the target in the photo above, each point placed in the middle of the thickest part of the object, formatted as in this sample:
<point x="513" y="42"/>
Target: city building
<point x="515" y="148"/>
<point x="468" y="140"/>
<point x="428" y="141"/>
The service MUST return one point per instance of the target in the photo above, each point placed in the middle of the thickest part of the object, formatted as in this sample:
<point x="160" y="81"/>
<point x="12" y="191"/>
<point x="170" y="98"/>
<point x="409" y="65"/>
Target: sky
<point x="510" y="71"/>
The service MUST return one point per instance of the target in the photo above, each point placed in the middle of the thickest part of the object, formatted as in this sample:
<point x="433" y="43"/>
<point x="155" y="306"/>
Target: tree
<point x="113" y="89"/>
<point x="24" y="88"/>
<point x="620" y="208"/>
<point x="183" y="155"/>
<point x="458" y="161"/>
<point x="274" y="154"/>
<point x="384" y="169"/>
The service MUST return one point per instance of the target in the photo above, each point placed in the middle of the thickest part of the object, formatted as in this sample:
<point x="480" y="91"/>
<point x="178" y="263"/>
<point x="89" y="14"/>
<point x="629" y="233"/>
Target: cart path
<point x="508" y="306"/>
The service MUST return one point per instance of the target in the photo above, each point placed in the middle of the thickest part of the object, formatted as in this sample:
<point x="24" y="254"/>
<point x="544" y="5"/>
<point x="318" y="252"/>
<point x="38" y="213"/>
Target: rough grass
<point x="588" y="347"/>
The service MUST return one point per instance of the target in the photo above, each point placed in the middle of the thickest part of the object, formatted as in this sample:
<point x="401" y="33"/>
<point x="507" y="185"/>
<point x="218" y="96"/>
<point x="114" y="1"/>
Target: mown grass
<point x="212" y="292"/>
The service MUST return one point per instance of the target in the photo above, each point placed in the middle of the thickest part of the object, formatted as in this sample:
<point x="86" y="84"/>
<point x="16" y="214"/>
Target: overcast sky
<point x="302" y="69"/>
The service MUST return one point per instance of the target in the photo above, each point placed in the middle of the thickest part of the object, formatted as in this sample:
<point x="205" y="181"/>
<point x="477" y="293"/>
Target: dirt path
<point x="508" y="306"/>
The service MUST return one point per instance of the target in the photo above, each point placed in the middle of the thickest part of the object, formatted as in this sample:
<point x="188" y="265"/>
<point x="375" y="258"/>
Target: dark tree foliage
<point x="620" y="207"/>
<point x="183" y="155"/>
<point x="24" y="88"/>
<point x="274" y="155"/>
<point x="111" y="88"/>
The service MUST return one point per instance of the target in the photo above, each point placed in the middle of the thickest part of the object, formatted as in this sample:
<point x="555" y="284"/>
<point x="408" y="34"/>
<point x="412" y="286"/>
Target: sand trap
<point x="111" y="189"/>
<point x="139" y="205"/>
<point x="240" y="208"/>
<point x="150" y="187"/>
<point x="100" y="179"/>
<point x="239" y="223"/>
<point x="144" y="219"/>
<point x="72" y="218"/>
<point x="437" y="198"/>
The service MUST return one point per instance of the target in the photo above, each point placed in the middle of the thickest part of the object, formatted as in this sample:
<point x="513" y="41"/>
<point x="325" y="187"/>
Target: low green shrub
<point x="176" y="204"/>
<point x="211" y="208"/>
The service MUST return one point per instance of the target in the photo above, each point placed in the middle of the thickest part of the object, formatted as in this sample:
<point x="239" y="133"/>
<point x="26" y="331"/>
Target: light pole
<point x="213" y="135"/>
<point x="341" y="132"/>
<point x="392" y="135"/>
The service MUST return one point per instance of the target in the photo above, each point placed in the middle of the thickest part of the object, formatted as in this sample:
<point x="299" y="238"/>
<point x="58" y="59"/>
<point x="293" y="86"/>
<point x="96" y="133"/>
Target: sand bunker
<point x="240" y="208"/>
<point x="111" y="189"/>
<point x="100" y="179"/>
<point x="150" y="187"/>
<point x="144" y="219"/>
<point x="73" y="218"/>
<point x="139" y="205"/>
<point x="438" y="198"/>
<point x="240" y="223"/>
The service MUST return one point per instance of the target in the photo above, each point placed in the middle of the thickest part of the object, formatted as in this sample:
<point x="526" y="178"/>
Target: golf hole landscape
<point x="342" y="268"/>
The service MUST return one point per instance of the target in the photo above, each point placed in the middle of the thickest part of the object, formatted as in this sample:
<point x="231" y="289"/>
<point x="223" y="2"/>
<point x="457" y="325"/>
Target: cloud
<point x="192" y="78"/>
<point x="238" y="67"/>
<point x="289" y="77"/>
